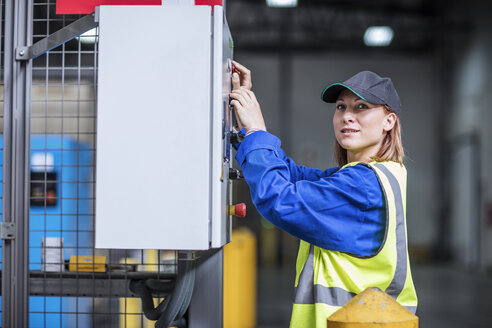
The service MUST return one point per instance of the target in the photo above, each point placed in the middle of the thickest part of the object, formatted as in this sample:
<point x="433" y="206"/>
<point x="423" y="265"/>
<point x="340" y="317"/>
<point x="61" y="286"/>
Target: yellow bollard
<point x="370" y="309"/>
<point x="240" y="280"/>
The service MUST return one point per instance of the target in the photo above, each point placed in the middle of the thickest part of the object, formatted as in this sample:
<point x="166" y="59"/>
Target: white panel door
<point x="154" y="127"/>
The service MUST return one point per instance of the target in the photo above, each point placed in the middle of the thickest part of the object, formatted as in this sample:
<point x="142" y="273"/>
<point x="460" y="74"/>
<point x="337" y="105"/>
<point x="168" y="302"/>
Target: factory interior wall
<point x="471" y="116"/>
<point x="309" y="130"/>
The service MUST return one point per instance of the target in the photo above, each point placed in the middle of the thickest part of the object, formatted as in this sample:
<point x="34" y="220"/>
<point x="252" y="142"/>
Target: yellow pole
<point x="151" y="258"/>
<point x="240" y="280"/>
<point x="130" y="307"/>
<point x="373" y="308"/>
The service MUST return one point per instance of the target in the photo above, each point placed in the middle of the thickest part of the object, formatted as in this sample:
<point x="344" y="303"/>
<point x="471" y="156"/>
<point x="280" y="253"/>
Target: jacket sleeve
<point x="327" y="210"/>
<point x="263" y="139"/>
<point x="300" y="172"/>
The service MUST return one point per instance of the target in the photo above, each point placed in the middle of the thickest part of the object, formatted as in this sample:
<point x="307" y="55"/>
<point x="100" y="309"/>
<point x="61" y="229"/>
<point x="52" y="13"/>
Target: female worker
<point x="350" y="219"/>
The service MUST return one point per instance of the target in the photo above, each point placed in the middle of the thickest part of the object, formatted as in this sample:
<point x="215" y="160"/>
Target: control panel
<point x="164" y="161"/>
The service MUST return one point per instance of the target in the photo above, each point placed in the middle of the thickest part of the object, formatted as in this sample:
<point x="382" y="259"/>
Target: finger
<point x="245" y="75"/>
<point x="245" y="93"/>
<point x="236" y="104"/>
<point x="238" y="97"/>
<point x="239" y="67"/>
<point x="235" y="81"/>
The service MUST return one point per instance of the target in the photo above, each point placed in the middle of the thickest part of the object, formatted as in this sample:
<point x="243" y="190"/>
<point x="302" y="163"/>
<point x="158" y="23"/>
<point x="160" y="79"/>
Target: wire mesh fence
<point x="2" y="29"/>
<point x="71" y="283"/>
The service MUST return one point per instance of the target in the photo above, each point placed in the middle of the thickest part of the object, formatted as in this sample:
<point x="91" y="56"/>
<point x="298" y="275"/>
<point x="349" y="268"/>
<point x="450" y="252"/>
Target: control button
<point x="235" y="174"/>
<point x="236" y="138"/>
<point x="238" y="210"/>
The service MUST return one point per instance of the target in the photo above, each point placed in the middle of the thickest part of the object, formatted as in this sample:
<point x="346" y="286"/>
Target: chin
<point x="348" y="145"/>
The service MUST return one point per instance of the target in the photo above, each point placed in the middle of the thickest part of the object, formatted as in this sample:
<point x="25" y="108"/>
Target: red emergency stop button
<point x="238" y="210"/>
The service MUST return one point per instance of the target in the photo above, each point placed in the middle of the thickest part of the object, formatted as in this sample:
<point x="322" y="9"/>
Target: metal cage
<point x="50" y="268"/>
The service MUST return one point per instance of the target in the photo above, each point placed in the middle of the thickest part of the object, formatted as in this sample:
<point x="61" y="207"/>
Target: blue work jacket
<point x="340" y="210"/>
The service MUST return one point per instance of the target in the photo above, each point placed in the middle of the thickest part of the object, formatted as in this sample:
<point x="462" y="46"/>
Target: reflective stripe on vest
<point x="309" y="293"/>
<point x="396" y="286"/>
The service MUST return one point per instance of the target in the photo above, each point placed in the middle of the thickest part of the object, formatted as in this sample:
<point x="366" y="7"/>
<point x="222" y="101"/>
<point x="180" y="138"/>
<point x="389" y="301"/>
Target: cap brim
<point x="331" y="92"/>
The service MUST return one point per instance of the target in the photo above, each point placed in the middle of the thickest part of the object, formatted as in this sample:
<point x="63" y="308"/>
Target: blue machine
<point x="62" y="206"/>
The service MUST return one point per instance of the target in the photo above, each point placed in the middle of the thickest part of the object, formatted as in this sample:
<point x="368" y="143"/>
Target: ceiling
<point x="339" y="25"/>
<point x="321" y="25"/>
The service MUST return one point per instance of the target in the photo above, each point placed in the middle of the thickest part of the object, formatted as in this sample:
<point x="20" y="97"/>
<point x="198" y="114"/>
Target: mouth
<point x="349" y="131"/>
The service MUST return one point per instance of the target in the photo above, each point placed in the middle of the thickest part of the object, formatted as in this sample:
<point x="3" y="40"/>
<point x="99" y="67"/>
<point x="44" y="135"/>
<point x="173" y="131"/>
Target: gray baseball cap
<point x="369" y="87"/>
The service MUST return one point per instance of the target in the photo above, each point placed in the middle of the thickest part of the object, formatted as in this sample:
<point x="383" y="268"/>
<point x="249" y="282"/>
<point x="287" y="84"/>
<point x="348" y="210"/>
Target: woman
<point x="351" y="218"/>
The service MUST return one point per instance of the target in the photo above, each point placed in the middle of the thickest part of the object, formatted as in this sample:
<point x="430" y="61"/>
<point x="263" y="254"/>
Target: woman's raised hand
<point x="246" y="106"/>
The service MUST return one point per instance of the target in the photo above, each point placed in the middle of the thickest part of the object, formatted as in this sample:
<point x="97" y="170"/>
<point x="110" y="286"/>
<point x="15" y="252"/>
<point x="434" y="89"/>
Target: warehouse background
<point x="441" y="63"/>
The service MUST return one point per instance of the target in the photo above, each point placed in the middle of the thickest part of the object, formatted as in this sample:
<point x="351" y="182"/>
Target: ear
<point x="389" y="122"/>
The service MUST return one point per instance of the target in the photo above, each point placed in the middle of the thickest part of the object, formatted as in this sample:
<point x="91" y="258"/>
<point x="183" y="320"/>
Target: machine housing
<point x="163" y="150"/>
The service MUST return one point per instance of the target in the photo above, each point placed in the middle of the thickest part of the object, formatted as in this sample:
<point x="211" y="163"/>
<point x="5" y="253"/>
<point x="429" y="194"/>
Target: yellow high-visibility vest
<point x="326" y="280"/>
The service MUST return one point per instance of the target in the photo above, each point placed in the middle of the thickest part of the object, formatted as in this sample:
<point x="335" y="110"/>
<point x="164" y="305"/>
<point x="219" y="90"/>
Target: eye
<point x="362" y="106"/>
<point x="340" y="106"/>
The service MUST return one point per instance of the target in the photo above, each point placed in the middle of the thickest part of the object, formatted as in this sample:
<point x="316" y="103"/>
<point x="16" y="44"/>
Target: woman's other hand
<point x="247" y="110"/>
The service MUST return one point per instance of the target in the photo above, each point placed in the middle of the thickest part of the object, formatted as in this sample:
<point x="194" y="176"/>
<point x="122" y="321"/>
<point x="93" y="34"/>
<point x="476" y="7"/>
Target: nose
<point x="348" y="117"/>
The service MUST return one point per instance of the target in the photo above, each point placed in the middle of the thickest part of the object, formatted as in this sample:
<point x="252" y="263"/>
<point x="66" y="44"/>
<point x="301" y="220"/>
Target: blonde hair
<point x="391" y="149"/>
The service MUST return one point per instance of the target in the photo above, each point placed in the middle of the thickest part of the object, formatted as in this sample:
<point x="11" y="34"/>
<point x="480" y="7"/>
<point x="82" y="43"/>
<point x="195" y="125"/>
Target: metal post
<point x="206" y="308"/>
<point x="17" y="77"/>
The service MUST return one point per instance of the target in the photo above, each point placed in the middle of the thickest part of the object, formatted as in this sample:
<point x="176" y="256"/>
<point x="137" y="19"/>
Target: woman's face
<point x="360" y="126"/>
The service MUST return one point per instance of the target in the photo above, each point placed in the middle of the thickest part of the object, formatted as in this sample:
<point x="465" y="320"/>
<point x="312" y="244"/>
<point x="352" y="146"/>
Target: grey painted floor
<point x="448" y="297"/>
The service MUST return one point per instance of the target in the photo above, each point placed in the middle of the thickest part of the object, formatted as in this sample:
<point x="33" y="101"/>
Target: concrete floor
<point x="448" y="297"/>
